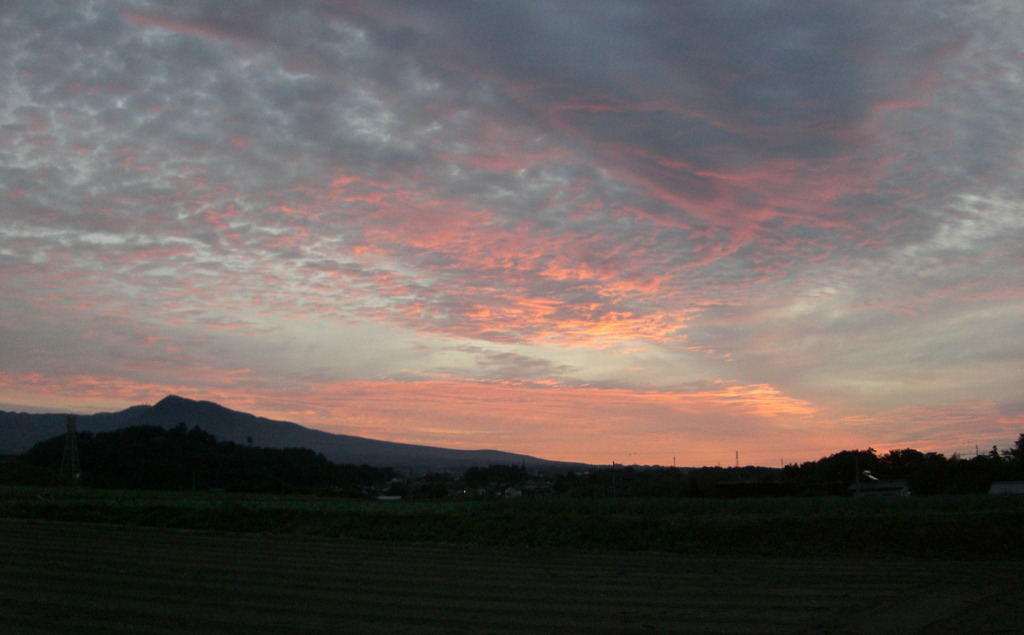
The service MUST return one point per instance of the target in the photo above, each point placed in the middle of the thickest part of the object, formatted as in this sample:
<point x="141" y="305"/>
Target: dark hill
<point x="19" y="431"/>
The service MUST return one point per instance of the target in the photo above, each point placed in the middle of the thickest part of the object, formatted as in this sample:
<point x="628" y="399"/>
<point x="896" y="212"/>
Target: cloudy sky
<point x="631" y="231"/>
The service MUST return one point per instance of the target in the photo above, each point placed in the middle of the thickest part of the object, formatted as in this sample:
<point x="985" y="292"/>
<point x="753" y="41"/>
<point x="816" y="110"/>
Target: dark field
<point x="79" y="578"/>
<point x="81" y="561"/>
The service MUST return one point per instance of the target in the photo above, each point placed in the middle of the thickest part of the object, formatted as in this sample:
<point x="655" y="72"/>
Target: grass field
<point x="969" y="527"/>
<point x="93" y="561"/>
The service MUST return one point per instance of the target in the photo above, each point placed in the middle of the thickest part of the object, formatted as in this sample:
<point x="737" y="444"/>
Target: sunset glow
<point x="616" y="231"/>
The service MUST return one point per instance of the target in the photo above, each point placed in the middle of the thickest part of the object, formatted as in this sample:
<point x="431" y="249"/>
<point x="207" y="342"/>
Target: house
<point x="1006" y="487"/>
<point x="880" y="488"/>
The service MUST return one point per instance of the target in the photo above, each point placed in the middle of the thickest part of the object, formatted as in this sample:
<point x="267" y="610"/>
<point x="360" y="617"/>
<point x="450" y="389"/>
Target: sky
<point x="650" y="232"/>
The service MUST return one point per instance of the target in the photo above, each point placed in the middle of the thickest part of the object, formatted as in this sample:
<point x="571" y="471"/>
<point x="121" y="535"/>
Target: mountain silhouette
<point x="19" y="431"/>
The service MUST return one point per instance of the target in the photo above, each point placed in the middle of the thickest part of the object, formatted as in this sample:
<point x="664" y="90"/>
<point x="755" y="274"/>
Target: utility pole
<point x="69" y="466"/>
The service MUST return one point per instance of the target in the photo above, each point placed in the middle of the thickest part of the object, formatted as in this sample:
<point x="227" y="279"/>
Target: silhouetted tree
<point x="186" y="458"/>
<point x="501" y="475"/>
<point x="148" y="457"/>
<point x="1016" y="454"/>
<point x="17" y="470"/>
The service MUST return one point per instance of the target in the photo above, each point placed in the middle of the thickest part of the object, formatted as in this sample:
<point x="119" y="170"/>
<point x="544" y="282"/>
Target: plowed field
<point x="60" y="577"/>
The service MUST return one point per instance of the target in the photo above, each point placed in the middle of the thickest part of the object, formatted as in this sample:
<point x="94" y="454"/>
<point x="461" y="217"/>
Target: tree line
<point x="925" y="473"/>
<point x="183" y="458"/>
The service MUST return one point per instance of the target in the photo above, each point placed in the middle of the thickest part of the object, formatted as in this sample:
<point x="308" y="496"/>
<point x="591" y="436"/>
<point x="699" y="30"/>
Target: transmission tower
<point x="69" y="466"/>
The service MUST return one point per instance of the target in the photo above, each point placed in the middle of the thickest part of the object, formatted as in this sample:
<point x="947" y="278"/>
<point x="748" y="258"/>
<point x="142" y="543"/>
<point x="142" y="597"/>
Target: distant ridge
<point x="20" y="431"/>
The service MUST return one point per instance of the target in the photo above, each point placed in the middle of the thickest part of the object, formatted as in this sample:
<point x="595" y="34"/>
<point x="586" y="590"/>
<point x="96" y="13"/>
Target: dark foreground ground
<point x="60" y="577"/>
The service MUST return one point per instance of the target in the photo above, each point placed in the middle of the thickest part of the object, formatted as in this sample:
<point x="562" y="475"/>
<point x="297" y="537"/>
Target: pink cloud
<point x="946" y="428"/>
<point x="200" y="29"/>
<point x="557" y="422"/>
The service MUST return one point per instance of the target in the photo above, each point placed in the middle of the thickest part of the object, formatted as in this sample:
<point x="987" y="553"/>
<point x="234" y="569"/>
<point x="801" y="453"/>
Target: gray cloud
<point x="803" y="195"/>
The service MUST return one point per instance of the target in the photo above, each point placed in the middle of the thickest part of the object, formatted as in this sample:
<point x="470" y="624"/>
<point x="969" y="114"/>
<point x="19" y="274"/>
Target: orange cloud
<point x="705" y="425"/>
<point x="548" y="420"/>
